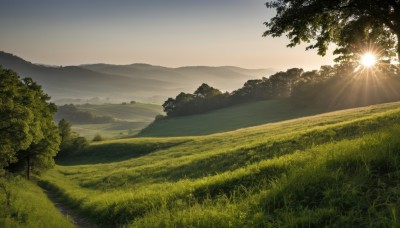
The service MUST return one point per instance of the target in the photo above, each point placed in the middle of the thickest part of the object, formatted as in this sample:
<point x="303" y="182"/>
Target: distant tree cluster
<point x="29" y="138"/>
<point x="70" y="141"/>
<point x="204" y="99"/>
<point x="71" y="113"/>
<point x="344" y="85"/>
<point x="207" y="98"/>
<point x="279" y="85"/>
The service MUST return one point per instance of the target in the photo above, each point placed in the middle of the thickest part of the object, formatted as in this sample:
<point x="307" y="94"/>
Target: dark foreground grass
<point x="340" y="169"/>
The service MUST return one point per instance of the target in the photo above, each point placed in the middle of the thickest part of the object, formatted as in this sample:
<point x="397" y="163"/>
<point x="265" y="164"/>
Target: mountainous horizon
<point x="109" y="83"/>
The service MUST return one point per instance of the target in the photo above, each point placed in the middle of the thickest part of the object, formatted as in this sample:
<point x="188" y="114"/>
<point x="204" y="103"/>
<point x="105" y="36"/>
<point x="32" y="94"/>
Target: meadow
<point x="335" y="169"/>
<point x="130" y="119"/>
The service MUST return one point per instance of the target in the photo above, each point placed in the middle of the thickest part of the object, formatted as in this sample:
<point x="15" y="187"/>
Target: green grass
<point x="109" y="130"/>
<point x="227" y="119"/>
<point x="339" y="169"/>
<point x="29" y="207"/>
<point x="132" y="118"/>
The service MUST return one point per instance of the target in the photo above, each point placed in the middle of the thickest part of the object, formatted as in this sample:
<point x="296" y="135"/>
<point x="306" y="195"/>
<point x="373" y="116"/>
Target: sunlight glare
<point x="368" y="60"/>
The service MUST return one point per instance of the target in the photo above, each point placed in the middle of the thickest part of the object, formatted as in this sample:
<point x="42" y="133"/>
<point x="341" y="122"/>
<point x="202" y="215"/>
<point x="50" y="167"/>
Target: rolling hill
<point x="117" y="83"/>
<point x="339" y="169"/>
<point x="227" y="119"/>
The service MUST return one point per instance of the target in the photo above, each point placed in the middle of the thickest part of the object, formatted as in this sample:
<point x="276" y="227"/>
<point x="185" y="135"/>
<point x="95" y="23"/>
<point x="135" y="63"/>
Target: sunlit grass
<point x="311" y="171"/>
<point x="29" y="207"/>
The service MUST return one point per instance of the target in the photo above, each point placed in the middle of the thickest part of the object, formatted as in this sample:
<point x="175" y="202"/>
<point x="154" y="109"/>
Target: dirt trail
<point x="77" y="220"/>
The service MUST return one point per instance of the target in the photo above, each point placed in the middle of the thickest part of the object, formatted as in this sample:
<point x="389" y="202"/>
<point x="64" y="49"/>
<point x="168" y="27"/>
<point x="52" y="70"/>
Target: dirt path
<point x="77" y="220"/>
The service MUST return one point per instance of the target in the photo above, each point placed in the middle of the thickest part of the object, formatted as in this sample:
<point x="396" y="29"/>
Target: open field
<point x="131" y="119"/>
<point x="109" y="130"/>
<point x="226" y="119"/>
<point x="336" y="169"/>
<point x="125" y="112"/>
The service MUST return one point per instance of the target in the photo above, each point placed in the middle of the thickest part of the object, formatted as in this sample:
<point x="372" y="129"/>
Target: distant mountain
<point x="140" y="82"/>
<point x="225" y="78"/>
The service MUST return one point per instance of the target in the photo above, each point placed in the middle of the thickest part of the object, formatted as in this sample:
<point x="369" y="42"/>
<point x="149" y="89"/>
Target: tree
<point x="64" y="127"/>
<point x="97" y="138"/>
<point x="28" y="134"/>
<point x="206" y="91"/>
<point x="15" y="118"/>
<point x="70" y="141"/>
<point x="353" y="25"/>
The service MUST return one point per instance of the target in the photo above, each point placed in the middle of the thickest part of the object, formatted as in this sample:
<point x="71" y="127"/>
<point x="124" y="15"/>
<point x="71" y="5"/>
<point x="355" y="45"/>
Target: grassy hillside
<point x="339" y="169"/>
<point x="227" y="119"/>
<point x="29" y="207"/>
<point x="131" y="118"/>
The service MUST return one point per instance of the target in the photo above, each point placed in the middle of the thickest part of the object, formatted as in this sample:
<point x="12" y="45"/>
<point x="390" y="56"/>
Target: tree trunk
<point x="28" y="167"/>
<point x="398" y="45"/>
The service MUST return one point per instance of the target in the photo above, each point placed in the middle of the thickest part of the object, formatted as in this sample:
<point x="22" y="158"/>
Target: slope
<point x="227" y="119"/>
<point x="336" y="169"/>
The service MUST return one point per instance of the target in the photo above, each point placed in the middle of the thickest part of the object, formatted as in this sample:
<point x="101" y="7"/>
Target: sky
<point x="169" y="33"/>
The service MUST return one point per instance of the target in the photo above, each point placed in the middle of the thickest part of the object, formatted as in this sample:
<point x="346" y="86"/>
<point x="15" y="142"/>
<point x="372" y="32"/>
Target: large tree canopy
<point x="28" y="135"/>
<point x="353" y="25"/>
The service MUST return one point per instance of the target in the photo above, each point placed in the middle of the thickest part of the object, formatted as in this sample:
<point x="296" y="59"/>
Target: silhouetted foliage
<point x="204" y="99"/>
<point x="344" y="85"/>
<point x="74" y="115"/>
<point x="279" y="85"/>
<point x="353" y="25"/>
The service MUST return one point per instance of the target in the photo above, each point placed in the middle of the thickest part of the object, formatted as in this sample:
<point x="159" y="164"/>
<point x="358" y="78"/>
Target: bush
<point x="97" y="138"/>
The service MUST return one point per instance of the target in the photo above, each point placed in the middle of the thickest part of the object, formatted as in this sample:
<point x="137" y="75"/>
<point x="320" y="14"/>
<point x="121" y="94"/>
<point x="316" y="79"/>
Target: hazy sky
<point x="161" y="32"/>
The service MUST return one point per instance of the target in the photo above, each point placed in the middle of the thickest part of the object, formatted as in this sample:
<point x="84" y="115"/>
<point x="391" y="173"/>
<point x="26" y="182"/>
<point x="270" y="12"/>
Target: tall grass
<point x="338" y="169"/>
<point x="351" y="183"/>
<point x="28" y="206"/>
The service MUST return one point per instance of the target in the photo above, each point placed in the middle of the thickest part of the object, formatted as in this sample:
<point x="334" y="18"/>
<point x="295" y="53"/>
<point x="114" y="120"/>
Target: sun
<point x="368" y="60"/>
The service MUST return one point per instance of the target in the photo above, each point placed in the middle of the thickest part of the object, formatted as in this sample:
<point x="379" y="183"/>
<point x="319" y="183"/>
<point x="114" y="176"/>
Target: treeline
<point x="207" y="98"/>
<point x="71" y="113"/>
<point x="344" y="85"/>
<point x="347" y="86"/>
